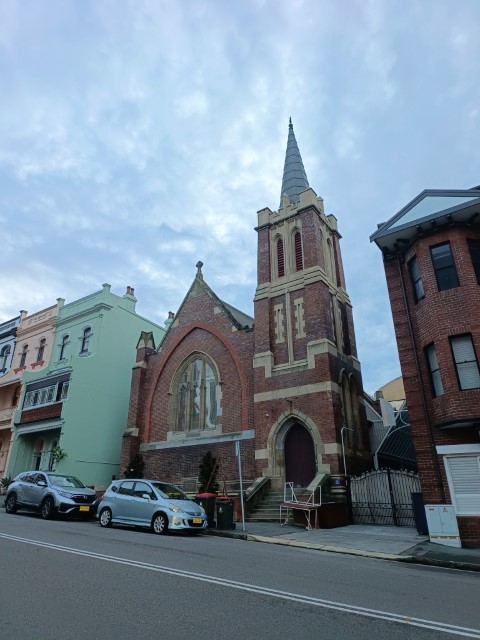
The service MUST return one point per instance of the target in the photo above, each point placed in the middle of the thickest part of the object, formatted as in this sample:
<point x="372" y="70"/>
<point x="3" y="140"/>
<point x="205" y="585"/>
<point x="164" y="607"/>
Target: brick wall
<point x="434" y="318"/>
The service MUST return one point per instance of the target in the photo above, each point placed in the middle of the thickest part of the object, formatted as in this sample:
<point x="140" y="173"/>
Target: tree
<point x="135" y="467"/>
<point x="207" y="474"/>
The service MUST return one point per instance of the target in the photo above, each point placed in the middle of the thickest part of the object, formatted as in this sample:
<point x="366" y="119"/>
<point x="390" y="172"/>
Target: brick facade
<point x="432" y="320"/>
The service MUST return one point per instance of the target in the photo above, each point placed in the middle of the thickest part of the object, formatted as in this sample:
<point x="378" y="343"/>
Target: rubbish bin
<point x="207" y="501"/>
<point x="225" y="514"/>
<point x="419" y="513"/>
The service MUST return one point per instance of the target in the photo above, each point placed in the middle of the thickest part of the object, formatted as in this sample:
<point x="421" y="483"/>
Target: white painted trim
<point x="248" y="434"/>
<point x="448" y="449"/>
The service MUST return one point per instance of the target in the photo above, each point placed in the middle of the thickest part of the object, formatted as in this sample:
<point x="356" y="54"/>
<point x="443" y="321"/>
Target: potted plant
<point x="208" y="486"/>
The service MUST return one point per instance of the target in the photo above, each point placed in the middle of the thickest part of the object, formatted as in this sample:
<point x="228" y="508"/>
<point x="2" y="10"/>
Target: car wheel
<point x="160" y="523"/>
<point x="47" y="508"/>
<point x="105" y="518"/>
<point x="11" y="503"/>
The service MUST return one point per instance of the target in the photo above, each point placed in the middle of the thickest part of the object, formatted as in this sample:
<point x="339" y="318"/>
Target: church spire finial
<point x="294" y="177"/>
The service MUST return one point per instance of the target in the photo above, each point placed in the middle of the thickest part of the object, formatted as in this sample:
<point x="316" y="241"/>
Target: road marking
<point x="273" y="593"/>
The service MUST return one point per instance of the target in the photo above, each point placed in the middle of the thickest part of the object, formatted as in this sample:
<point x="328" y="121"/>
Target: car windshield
<point x="69" y="482"/>
<point x="169" y="491"/>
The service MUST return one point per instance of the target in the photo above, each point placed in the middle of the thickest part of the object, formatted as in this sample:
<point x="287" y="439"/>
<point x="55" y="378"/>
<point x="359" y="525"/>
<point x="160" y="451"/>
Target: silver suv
<point x="50" y="493"/>
<point x="150" y="503"/>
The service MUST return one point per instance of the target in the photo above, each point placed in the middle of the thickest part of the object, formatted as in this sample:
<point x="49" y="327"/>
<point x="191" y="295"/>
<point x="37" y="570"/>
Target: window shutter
<point x="280" y="258"/>
<point x="466" y="361"/>
<point x="465" y="481"/>
<point x="298" y="252"/>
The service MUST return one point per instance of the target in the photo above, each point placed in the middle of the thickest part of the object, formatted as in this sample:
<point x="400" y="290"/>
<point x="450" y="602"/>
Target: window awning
<point x="36" y="427"/>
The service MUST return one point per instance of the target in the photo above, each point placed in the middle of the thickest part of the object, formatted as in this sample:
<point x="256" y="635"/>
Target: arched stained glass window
<point x="196" y="396"/>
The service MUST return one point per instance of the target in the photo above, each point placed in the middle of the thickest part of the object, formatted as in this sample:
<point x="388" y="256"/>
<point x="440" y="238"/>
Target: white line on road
<point x="274" y="593"/>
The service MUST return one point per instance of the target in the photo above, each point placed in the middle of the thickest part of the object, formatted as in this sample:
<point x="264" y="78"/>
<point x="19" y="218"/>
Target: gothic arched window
<point x="298" y="251"/>
<point x="280" y="258"/>
<point x="196" y="395"/>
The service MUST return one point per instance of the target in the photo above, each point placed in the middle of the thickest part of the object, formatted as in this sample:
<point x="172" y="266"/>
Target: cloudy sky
<point x="138" y="137"/>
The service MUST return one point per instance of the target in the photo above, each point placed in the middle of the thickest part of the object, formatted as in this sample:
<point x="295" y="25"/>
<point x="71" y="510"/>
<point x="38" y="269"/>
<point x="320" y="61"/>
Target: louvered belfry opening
<point x="298" y="252"/>
<point x="280" y="258"/>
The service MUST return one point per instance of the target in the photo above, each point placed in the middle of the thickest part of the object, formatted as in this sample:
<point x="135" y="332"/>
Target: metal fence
<point x="384" y="497"/>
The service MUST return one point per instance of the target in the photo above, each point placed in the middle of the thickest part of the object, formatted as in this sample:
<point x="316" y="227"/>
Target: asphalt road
<point x="65" y="580"/>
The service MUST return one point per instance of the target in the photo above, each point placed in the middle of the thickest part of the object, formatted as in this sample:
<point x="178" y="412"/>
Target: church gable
<point x="201" y="304"/>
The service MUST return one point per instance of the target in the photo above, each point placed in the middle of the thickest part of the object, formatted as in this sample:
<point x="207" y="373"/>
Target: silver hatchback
<point x="49" y="493"/>
<point x="150" y="503"/>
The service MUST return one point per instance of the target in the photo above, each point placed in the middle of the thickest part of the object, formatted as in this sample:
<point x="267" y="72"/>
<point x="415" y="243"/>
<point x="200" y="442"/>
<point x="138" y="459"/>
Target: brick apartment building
<point x="284" y="382"/>
<point x="431" y="254"/>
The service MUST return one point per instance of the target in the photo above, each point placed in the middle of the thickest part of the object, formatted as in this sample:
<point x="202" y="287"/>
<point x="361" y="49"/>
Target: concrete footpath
<point x="402" y="544"/>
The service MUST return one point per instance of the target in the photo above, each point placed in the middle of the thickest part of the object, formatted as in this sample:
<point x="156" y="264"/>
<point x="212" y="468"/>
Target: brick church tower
<point x="308" y="400"/>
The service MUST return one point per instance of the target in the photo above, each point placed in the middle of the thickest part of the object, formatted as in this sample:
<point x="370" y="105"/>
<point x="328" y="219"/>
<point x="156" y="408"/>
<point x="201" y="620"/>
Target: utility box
<point x="442" y="524"/>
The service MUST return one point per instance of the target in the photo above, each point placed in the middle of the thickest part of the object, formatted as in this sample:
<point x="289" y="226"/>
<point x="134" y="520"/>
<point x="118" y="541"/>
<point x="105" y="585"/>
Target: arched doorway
<point x="300" y="467"/>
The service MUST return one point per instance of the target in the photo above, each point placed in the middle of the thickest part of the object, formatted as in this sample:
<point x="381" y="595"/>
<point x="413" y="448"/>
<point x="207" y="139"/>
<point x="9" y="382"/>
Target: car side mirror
<point x="41" y="483"/>
<point x="146" y="496"/>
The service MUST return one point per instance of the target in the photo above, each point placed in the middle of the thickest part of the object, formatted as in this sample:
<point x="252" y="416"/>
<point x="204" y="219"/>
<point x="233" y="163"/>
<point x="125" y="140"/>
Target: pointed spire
<point x="294" y="176"/>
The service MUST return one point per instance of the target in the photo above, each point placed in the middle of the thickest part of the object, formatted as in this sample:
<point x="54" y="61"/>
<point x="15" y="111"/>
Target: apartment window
<point x="4" y="353"/>
<point x="465" y="361"/>
<point x="434" y="371"/>
<point x="444" y="266"/>
<point x="298" y="251"/>
<point x="63" y="346"/>
<point x="41" y="349"/>
<point x="87" y="334"/>
<point x="196" y="396"/>
<point x="280" y="258"/>
<point x="23" y="355"/>
<point x="474" y="247"/>
<point x="417" y="281"/>
<point x="46" y="395"/>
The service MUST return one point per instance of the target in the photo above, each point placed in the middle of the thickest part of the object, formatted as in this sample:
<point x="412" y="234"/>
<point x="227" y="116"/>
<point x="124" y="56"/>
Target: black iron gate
<point x="384" y="496"/>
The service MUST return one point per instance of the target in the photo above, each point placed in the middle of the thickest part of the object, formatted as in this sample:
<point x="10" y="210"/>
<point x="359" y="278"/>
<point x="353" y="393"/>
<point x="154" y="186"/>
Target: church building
<point x="285" y="384"/>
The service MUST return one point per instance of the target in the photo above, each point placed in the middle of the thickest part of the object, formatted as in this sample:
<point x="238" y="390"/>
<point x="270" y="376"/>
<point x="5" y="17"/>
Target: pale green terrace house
<point x="78" y="404"/>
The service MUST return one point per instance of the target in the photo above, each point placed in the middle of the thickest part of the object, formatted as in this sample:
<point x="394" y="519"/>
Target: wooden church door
<point x="300" y="465"/>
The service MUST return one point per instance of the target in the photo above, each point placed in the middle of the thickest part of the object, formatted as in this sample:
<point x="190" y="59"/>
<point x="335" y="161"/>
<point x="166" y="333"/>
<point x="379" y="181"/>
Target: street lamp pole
<point x="342" y="431"/>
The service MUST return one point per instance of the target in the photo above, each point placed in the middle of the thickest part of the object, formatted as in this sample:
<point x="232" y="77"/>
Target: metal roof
<point x="430" y="209"/>
<point x="294" y="176"/>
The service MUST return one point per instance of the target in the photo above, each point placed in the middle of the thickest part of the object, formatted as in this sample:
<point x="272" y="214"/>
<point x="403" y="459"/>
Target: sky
<point x="138" y="137"/>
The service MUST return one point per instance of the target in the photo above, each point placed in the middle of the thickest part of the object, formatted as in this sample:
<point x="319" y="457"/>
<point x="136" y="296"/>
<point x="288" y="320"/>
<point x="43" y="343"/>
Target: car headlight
<point x="64" y="494"/>
<point x="175" y="508"/>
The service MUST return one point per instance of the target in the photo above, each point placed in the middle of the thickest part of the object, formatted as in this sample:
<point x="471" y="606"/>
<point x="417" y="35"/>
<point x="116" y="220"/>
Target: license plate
<point x="84" y="508"/>
<point x="197" y="521"/>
